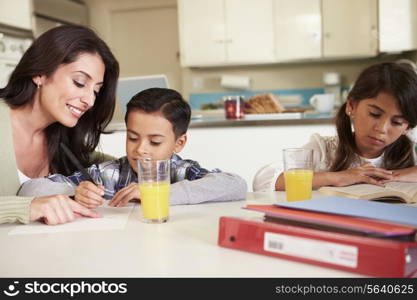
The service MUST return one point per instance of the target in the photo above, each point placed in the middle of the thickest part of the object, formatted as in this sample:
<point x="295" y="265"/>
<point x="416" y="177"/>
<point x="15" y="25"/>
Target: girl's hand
<point x="89" y="194"/>
<point x="363" y="174"/>
<point x="404" y="175"/>
<point x="124" y="195"/>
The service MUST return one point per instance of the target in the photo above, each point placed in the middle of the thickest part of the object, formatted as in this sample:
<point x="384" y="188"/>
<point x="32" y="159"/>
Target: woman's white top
<point x="324" y="148"/>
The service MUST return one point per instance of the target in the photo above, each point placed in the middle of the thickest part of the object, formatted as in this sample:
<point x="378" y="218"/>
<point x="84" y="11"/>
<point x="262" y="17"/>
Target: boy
<point x="157" y="121"/>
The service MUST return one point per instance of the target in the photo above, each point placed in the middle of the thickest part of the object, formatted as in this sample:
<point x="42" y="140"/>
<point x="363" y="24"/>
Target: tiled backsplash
<point x="289" y="98"/>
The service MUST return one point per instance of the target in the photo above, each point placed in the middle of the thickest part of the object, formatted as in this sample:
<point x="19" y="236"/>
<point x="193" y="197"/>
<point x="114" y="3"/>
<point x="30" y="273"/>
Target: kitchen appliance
<point x="12" y="48"/>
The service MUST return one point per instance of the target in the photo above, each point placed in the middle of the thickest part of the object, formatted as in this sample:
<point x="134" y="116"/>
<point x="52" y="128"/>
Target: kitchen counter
<point x="250" y="120"/>
<point x="238" y="146"/>
<point x="264" y="120"/>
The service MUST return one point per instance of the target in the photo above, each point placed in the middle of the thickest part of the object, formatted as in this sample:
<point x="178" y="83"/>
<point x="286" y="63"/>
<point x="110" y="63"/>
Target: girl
<point x="371" y="144"/>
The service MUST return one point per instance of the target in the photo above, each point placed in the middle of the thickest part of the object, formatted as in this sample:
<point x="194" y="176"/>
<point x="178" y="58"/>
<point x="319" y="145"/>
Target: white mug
<point x="323" y="103"/>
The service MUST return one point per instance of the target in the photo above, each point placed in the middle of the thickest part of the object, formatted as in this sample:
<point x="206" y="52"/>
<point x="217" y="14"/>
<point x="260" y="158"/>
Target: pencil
<point x="76" y="162"/>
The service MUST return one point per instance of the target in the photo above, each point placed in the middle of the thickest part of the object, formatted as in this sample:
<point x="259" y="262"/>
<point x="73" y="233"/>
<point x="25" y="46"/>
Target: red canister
<point x="234" y="107"/>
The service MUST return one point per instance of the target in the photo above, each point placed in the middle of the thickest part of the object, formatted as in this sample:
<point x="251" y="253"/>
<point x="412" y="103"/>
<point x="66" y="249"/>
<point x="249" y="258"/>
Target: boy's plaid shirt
<point x="117" y="174"/>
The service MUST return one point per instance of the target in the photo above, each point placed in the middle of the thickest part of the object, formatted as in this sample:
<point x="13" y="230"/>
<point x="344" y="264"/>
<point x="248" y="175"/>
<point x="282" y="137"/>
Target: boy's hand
<point x="124" y="195"/>
<point x="89" y="194"/>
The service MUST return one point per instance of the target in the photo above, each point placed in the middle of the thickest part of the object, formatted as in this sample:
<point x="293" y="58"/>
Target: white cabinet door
<point x="224" y="32"/>
<point x="16" y="13"/>
<point x="397" y="25"/>
<point x="297" y="29"/>
<point x="249" y="31"/>
<point x="349" y="28"/>
<point x="202" y="32"/>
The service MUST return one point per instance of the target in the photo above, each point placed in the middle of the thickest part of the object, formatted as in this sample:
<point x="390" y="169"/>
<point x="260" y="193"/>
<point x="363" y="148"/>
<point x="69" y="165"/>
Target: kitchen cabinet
<point x="52" y="13"/>
<point x="314" y="29"/>
<point x="202" y="32"/>
<point x="397" y="25"/>
<point x="349" y="28"/>
<point x="222" y="32"/>
<point x="297" y="29"/>
<point x="232" y="32"/>
<point x="249" y="32"/>
<point x="16" y="13"/>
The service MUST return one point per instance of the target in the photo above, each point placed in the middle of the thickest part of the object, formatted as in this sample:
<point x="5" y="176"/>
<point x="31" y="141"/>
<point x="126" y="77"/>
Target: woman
<point x="62" y="90"/>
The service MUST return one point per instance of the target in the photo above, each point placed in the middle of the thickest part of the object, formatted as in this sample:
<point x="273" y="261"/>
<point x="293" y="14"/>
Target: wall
<point x="277" y="76"/>
<point x="129" y="27"/>
<point x="143" y="36"/>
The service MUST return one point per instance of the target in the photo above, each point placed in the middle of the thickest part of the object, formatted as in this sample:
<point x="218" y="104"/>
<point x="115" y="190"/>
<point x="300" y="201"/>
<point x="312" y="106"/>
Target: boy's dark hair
<point x="398" y="80"/>
<point x="167" y="101"/>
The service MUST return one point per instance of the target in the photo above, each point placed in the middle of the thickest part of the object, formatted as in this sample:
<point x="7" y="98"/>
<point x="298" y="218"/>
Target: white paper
<point x="113" y="218"/>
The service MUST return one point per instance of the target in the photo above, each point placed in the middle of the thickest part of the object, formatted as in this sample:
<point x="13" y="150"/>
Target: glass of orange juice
<point x="298" y="173"/>
<point x="154" y="187"/>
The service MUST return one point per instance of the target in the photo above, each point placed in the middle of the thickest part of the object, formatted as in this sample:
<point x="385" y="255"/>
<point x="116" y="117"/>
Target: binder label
<point x="323" y="251"/>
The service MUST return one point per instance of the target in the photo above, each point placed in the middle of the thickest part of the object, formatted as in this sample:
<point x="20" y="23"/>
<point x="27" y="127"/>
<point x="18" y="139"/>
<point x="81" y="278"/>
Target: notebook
<point x="334" y="222"/>
<point x="396" y="213"/>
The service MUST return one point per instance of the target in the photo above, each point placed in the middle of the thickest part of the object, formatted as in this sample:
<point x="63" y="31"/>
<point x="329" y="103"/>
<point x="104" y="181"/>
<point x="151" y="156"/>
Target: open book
<point x="393" y="191"/>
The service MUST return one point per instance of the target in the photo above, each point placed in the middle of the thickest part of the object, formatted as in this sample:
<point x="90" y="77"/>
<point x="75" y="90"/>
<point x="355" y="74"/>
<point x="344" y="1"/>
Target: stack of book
<point x="366" y="237"/>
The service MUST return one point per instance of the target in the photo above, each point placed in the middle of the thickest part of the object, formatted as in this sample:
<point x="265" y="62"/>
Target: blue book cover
<point x="397" y="213"/>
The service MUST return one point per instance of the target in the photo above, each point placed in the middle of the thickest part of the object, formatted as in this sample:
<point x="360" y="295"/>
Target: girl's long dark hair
<point x="63" y="45"/>
<point x="398" y="80"/>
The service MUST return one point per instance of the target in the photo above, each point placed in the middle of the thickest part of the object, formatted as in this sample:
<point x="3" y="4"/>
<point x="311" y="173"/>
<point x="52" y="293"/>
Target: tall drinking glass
<point x="298" y="173"/>
<point x="154" y="186"/>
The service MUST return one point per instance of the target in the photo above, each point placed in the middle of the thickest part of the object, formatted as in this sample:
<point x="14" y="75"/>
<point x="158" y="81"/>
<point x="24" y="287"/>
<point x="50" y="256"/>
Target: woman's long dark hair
<point x="63" y="45"/>
<point x="398" y="80"/>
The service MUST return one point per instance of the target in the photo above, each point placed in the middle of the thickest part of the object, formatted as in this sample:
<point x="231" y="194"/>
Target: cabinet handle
<point x="219" y="41"/>
<point x="315" y="35"/>
<point x="327" y="35"/>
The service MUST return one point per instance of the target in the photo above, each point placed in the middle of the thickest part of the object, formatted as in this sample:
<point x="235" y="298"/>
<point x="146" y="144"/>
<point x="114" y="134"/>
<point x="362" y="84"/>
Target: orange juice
<point x="298" y="184"/>
<point x="154" y="201"/>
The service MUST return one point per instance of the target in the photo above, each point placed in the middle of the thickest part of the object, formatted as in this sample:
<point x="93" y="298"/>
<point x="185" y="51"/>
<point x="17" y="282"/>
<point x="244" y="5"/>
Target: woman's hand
<point x="124" y="195"/>
<point x="58" y="209"/>
<point x="89" y="194"/>
<point x="363" y="174"/>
